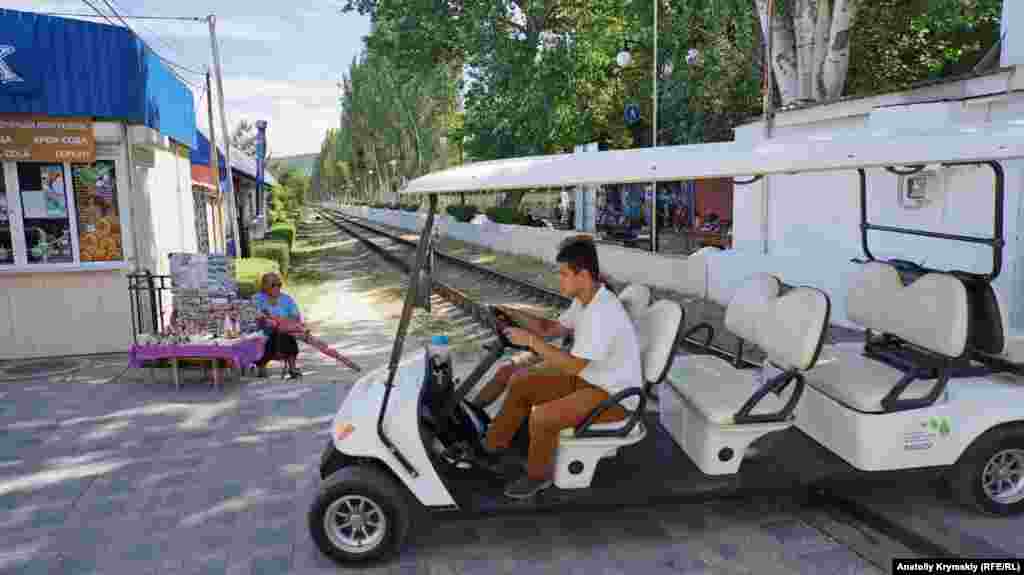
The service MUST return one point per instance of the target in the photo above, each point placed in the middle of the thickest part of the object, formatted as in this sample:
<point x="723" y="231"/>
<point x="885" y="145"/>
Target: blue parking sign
<point x="632" y="113"/>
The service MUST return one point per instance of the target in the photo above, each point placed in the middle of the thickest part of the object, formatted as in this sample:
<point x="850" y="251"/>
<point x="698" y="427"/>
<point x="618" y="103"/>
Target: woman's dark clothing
<point x="279" y="344"/>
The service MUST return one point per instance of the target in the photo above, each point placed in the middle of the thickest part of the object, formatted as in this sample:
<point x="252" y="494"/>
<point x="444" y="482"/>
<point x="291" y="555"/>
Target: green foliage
<point x="541" y="77"/>
<point x="249" y="271"/>
<point x="282" y="232"/>
<point x="507" y="215"/>
<point x="288" y="197"/>
<point x="896" y="43"/>
<point x="463" y="213"/>
<point x="275" y="250"/>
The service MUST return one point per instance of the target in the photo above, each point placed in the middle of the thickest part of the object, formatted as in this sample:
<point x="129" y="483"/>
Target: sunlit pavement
<point x="134" y="477"/>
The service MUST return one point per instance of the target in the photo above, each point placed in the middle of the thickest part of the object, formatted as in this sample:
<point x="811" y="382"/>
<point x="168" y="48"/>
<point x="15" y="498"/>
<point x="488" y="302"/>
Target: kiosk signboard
<point x="44" y="139"/>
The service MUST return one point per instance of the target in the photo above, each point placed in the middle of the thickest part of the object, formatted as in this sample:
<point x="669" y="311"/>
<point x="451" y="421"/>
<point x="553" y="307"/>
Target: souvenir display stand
<point x="209" y="321"/>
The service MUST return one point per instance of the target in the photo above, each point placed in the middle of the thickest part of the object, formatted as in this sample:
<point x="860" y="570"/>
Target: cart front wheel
<point x="361" y="514"/>
<point x="990" y="475"/>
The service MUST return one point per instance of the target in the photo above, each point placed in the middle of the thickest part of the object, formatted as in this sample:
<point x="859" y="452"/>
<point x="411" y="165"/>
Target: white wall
<point x="688" y="275"/>
<point x="809" y="229"/>
<point x="162" y="195"/>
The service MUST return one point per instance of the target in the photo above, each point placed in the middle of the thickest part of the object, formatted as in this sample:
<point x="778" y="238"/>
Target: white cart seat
<point x="930" y="313"/>
<point x="705" y="409"/>
<point x="846" y="375"/>
<point x="635" y="298"/>
<point x="718" y="390"/>
<point x="657" y="329"/>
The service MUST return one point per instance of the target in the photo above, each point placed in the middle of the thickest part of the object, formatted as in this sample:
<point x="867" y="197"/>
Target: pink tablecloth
<point x="243" y="352"/>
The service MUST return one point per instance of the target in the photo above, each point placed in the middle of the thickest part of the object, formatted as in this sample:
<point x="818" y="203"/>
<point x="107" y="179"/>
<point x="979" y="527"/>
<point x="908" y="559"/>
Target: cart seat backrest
<point x="931" y="312"/>
<point x="635" y="297"/>
<point x="788" y="327"/>
<point x="657" y="329"/>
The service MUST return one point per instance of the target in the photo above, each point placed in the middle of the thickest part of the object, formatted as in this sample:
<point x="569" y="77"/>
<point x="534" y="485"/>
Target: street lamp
<point x="623" y="59"/>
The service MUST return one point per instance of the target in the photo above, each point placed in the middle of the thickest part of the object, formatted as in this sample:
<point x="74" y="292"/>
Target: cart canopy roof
<point x="861" y="149"/>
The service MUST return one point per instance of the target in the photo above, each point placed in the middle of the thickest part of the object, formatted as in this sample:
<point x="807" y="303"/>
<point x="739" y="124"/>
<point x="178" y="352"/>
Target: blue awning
<point x="62" y="67"/>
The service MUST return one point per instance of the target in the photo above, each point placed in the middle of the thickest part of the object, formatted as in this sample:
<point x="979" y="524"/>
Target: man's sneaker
<point x="524" y="487"/>
<point x="463" y="456"/>
<point x="458" y="454"/>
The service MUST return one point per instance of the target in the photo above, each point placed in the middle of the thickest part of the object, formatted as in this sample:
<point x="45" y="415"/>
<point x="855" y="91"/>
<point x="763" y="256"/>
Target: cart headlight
<point x="343" y="430"/>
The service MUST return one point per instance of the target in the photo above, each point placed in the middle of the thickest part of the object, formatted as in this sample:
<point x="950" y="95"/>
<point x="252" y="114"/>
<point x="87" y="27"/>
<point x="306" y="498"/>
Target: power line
<point x="104" y="16"/>
<point x="156" y="37"/>
<point x="78" y="15"/>
<point x="158" y="55"/>
<point x="132" y="30"/>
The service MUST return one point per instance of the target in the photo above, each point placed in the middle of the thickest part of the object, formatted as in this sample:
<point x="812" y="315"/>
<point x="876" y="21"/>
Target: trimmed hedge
<point x="284" y="232"/>
<point x="248" y="272"/>
<point x="463" y="213"/>
<point x="275" y="250"/>
<point x="507" y="216"/>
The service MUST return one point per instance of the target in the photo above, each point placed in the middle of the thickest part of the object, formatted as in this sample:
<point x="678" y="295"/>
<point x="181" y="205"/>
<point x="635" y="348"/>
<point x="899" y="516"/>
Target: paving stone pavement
<point x="104" y="471"/>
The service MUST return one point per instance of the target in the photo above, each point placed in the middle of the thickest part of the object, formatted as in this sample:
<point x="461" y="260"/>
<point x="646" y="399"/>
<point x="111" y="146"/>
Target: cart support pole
<point x="403" y="326"/>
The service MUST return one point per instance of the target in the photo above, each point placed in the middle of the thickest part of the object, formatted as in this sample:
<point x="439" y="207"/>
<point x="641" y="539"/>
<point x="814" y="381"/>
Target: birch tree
<point x="810" y="42"/>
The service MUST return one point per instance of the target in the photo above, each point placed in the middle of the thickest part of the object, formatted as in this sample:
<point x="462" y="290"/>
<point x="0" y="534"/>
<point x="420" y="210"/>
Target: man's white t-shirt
<point x="605" y="335"/>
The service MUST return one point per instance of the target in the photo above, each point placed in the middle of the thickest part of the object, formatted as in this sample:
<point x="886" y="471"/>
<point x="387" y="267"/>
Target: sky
<point x="281" y="60"/>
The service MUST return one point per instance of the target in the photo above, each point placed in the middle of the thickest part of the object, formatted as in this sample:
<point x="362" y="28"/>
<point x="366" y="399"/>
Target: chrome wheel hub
<point x="1003" y="477"/>
<point x="355" y="524"/>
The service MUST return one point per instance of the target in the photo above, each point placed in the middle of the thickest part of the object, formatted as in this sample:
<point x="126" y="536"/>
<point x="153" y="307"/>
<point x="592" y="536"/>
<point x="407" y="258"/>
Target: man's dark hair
<point x="579" y="253"/>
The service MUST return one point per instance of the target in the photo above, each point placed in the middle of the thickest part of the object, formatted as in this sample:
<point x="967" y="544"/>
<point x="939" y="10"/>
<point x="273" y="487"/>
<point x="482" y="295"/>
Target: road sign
<point x="632" y="113"/>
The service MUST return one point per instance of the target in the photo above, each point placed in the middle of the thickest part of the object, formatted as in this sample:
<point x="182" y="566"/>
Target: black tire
<point x="383" y="491"/>
<point x="331" y="460"/>
<point x="966" y="479"/>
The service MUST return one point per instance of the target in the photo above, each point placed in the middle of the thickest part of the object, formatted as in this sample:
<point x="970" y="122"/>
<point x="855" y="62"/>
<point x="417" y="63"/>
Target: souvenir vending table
<point x="242" y="353"/>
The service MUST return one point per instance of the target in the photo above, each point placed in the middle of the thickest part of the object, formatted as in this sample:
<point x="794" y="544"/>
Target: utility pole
<point x="214" y="160"/>
<point x="233" y="214"/>
<point x="654" y="135"/>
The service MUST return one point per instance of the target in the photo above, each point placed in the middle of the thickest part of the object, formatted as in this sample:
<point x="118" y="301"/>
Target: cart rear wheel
<point x="990" y="475"/>
<point x="361" y="514"/>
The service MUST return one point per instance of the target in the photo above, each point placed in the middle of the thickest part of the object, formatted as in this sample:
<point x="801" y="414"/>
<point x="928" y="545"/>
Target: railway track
<point x="525" y="290"/>
<point x="851" y="523"/>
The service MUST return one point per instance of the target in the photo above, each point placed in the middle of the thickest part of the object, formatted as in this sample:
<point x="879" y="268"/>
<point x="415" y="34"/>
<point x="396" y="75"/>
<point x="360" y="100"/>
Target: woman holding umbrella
<point x="277" y="308"/>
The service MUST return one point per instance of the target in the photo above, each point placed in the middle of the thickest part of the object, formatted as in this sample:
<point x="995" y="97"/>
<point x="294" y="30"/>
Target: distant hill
<point x="303" y="162"/>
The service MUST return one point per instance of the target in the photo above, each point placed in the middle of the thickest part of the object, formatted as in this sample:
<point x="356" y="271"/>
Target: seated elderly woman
<point x="275" y="306"/>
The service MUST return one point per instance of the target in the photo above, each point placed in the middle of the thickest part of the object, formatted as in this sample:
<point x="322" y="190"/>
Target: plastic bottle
<point x="439" y="350"/>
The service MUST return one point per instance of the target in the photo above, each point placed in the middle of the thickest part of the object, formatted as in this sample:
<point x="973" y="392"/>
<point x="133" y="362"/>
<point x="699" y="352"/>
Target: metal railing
<point x="146" y="292"/>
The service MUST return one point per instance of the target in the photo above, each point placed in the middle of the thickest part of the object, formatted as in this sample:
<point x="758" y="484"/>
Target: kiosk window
<point x="45" y="218"/>
<point x="99" y="222"/>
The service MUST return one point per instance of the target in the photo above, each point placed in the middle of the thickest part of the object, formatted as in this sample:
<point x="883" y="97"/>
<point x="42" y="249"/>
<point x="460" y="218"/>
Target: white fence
<point x="711" y="273"/>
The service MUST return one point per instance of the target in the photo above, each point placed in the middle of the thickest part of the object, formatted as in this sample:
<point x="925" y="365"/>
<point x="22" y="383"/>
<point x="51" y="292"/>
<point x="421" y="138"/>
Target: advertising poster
<point x="99" y="224"/>
<point x="53" y="188"/>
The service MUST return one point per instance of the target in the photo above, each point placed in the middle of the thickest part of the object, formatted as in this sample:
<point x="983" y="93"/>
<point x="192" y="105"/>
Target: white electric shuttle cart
<point x="936" y="385"/>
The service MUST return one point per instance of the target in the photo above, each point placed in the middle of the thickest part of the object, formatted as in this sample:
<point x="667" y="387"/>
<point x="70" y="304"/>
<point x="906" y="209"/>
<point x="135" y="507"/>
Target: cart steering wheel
<point x="500" y="321"/>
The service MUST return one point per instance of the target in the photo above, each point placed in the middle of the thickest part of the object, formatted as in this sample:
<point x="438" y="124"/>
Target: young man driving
<point x="604" y="360"/>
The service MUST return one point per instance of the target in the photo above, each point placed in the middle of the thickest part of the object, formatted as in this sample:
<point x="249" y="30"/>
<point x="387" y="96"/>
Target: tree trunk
<point x="783" y="56"/>
<point x="805" y="23"/>
<point x="821" y="28"/>
<point x="837" y="62"/>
